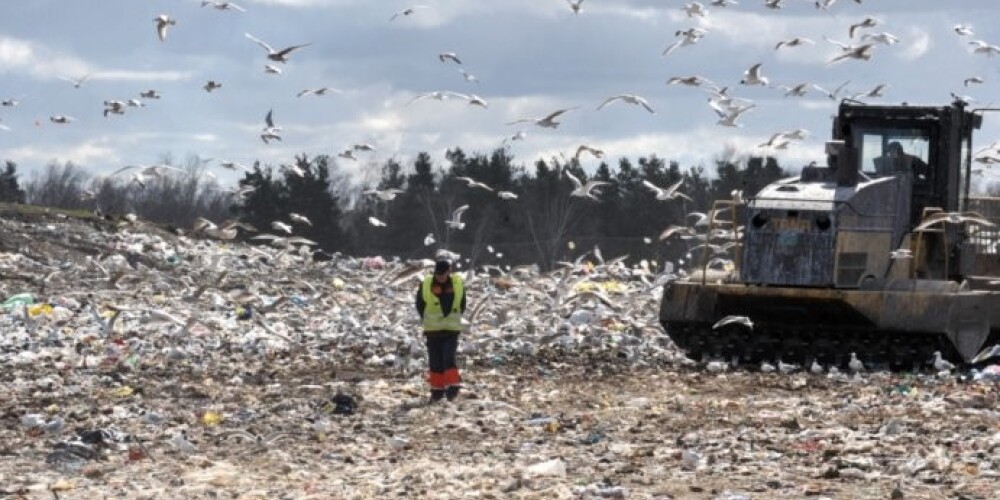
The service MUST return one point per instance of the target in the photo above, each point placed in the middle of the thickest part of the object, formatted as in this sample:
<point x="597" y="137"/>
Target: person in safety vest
<point x="441" y="302"/>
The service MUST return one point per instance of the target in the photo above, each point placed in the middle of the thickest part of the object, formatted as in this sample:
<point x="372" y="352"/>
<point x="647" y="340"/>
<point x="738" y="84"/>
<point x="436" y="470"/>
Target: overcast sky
<point x="531" y="57"/>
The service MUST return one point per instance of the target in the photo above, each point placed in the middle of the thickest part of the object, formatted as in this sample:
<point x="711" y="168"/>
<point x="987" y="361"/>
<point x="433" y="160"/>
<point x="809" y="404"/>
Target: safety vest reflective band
<point x="434" y="318"/>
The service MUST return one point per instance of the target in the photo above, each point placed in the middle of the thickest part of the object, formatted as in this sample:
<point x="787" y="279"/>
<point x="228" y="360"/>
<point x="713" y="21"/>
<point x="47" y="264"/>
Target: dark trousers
<point x="443" y="371"/>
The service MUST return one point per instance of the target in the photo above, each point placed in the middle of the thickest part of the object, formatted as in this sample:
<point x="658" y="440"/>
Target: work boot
<point x="436" y="395"/>
<point x="452" y="392"/>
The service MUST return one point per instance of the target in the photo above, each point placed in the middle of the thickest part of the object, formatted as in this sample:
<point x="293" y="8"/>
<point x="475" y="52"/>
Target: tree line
<point x="542" y="225"/>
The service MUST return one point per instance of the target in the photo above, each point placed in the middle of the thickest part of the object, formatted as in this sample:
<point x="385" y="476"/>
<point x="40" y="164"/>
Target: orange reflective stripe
<point x="437" y="380"/>
<point x="451" y="377"/>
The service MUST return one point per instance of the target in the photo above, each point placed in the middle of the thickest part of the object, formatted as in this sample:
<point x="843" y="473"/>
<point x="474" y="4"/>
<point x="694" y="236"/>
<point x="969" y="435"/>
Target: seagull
<point x="347" y="154"/>
<point x="585" y="148"/>
<point x="180" y="441"/>
<point x="832" y="95"/>
<point x="4" y="127"/>
<point x="787" y="368"/>
<point x="547" y="121"/>
<point x="61" y="119"/>
<point x="472" y="183"/>
<point x="469" y="77"/>
<point x="941" y="364"/>
<point x="723" y="3"/>
<point x="317" y="92"/>
<point x="212" y="85"/>
<point x="863" y="52"/>
<point x="963" y="30"/>
<point x="473" y="99"/>
<point x="982" y="47"/>
<point x="798" y="90"/>
<point x="752" y="76"/>
<point x="149" y="94"/>
<point x="766" y="367"/>
<point x="135" y="103"/>
<point x="972" y="79"/>
<point x="281" y="226"/>
<point x="363" y="147"/>
<point x="429" y="240"/>
<point x="689" y="36"/>
<point x="952" y="218"/>
<point x="855" y="364"/>
<point x="77" y="82"/>
<point x="440" y="95"/>
<point x="155" y="170"/>
<point x="728" y="119"/>
<point x="630" y="99"/>
<point x="868" y="22"/>
<point x="883" y="38"/>
<point x="873" y="93"/>
<point x="162" y="22"/>
<point x="987" y="354"/>
<point x="582" y="190"/>
<point x="690" y="81"/>
<point x="507" y="195"/>
<point x="575" y="6"/>
<point x="815" y="368"/>
<point x="270" y="132"/>
<point x="694" y="9"/>
<point x="384" y="194"/>
<point x="519" y="136"/>
<point x="731" y="320"/>
<point x="773" y="4"/>
<point x="794" y="42"/>
<point x="406" y="12"/>
<point x="446" y="56"/>
<point x="276" y="55"/>
<point x="375" y="222"/>
<point x="272" y="70"/>
<point x="456" y="218"/>
<point x="222" y="5"/>
<point x="670" y="193"/>
<point x="231" y="165"/>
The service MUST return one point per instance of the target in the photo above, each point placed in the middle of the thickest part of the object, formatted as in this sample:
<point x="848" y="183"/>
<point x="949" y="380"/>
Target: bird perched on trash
<point x="855" y="364"/>
<point x="181" y="442"/>
<point x="941" y="364"/>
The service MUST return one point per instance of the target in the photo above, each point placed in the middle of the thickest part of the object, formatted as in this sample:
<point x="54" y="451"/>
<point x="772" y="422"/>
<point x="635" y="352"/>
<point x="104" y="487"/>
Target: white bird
<point x="752" y="76"/>
<point x="798" y="90"/>
<point x="883" y="38"/>
<point x="815" y="368"/>
<point x="507" y="195"/>
<point x="773" y="4"/>
<point x="271" y="69"/>
<point x="439" y="95"/>
<point x="794" y="42"/>
<point x="368" y="148"/>
<point x="972" y="79"/>
<point x="162" y="22"/>
<point x="728" y="118"/>
<point x="472" y="183"/>
<point x="280" y="56"/>
<point x="61" y="119"/>
<point x="863" y="52"/>
<point x="868" y="22"/>
<point x="456" y="218"/>
<point x="4" y="127"/>
<point x="670" y="193"/>
<point x="449" y="56"/>
<point x="873" y="93"/>
<point x="180" y="441"/>
<point x="855" y="364"/>
<point x="941" y="364"/>
<point x="429" y="239"/>
<point x="293" y="169"/>
<point x="982" y="47"/>
<point x="575" y="6"/>
<point x="986" y="354"/>
<point x="281" y="226"/>
<point x="232" y="165"/>
<point x="597" y="153"/>
<point x="384" y="194"/>
<point x="689" y="36"/>
<point x="211" y="85"/>
<point x="469" y="77"/>
<point x="690" y="81"/>
<point x="347" y="154"/>
<point x="317" y="92"/>
<point x="723" y="3"/>
<point x="519" y="136"/>
<point x="547" y="121"/>
<point x="766" y="367"/>
<point x="824" y="4"/>
<point x="833" y="95"/>
<point x="77" y="82"/>
<point x="150" y="94"/>
<point x="787" y="368"/>
<point x="733" y="320"/>
<point x="135" y="103"/>
<point x="963" y="30"/>
<point x="375" y="222"/>
<point x="407" y="12"/>
<point x="222" y="5"/>
<point x="630" y="99"/>
<point x="582" y="190"/>
<point x="270" y="132"/>
<point x="694" y="9"/>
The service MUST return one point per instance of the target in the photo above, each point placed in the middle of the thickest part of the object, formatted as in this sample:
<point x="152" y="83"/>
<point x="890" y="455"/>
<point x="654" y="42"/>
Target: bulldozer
<point x="882" y="253"/>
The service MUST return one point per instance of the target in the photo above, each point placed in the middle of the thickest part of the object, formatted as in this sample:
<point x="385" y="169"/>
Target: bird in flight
<point x="77" y="82"/>
<point x="270" y="132"/>
<point x="582" y="190"/>
<point x="449" y="56"/>
<point x="317" y="92"/>
<point x="630" y="99"/>
<point x="456" y="218"/>
<point x="670" y="193"/>
<point x="162" y="22"/>
<point x="222" y="5"/>
<point x="547" y="121"/>
<point x="276" y="55"/>
<point x="406" y="12"/>
<point x="575" y="6"/>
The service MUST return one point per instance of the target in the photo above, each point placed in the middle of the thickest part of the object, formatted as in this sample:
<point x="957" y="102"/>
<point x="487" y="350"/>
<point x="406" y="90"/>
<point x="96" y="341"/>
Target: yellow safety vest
<point x="434" y="318"/>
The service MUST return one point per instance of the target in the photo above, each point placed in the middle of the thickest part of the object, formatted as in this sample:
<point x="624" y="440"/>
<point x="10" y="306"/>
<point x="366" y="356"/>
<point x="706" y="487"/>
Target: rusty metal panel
<point x="789" y="252"/>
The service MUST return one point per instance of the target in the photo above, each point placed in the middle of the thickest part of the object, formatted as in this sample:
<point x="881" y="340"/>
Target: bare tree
<point x="58" y="186"/>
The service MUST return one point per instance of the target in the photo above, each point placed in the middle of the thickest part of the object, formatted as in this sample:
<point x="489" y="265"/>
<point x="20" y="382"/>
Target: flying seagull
<point x="77" y="82"/>
<point x="270" y="132"/>
<point x="162" y="22"/>
<point x="670" y="193"/>
<point x="582" y="190"/>
<point x="752" y="76"/>
<point x="446" y="56"/>
<point x="575" y="6"/>
<point x="630" y="99"/>
<point x="547" y="121"/>
<point x="276" y="55"/>
<point x="456" y="218"/>
<point x="406" y="12"/>
<point x="222" y="5"/>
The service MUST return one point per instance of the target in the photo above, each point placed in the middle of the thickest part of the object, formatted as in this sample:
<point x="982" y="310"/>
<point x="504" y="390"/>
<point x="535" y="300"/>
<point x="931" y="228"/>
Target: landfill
<point x="143" y="363"/>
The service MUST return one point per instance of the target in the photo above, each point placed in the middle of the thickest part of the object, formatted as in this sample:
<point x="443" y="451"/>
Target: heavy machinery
<point x="880" y="253"/>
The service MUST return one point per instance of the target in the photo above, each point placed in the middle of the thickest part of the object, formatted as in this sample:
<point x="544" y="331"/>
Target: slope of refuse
<point x="139" y="363"/>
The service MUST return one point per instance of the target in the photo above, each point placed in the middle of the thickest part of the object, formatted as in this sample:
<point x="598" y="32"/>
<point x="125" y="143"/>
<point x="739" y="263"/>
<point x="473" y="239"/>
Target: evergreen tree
<point x="10" y="190"/>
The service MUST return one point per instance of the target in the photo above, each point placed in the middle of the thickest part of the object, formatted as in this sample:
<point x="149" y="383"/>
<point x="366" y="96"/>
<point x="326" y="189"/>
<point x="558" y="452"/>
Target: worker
<point x="896" y="160"/>
<point x="441" y="302"/>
